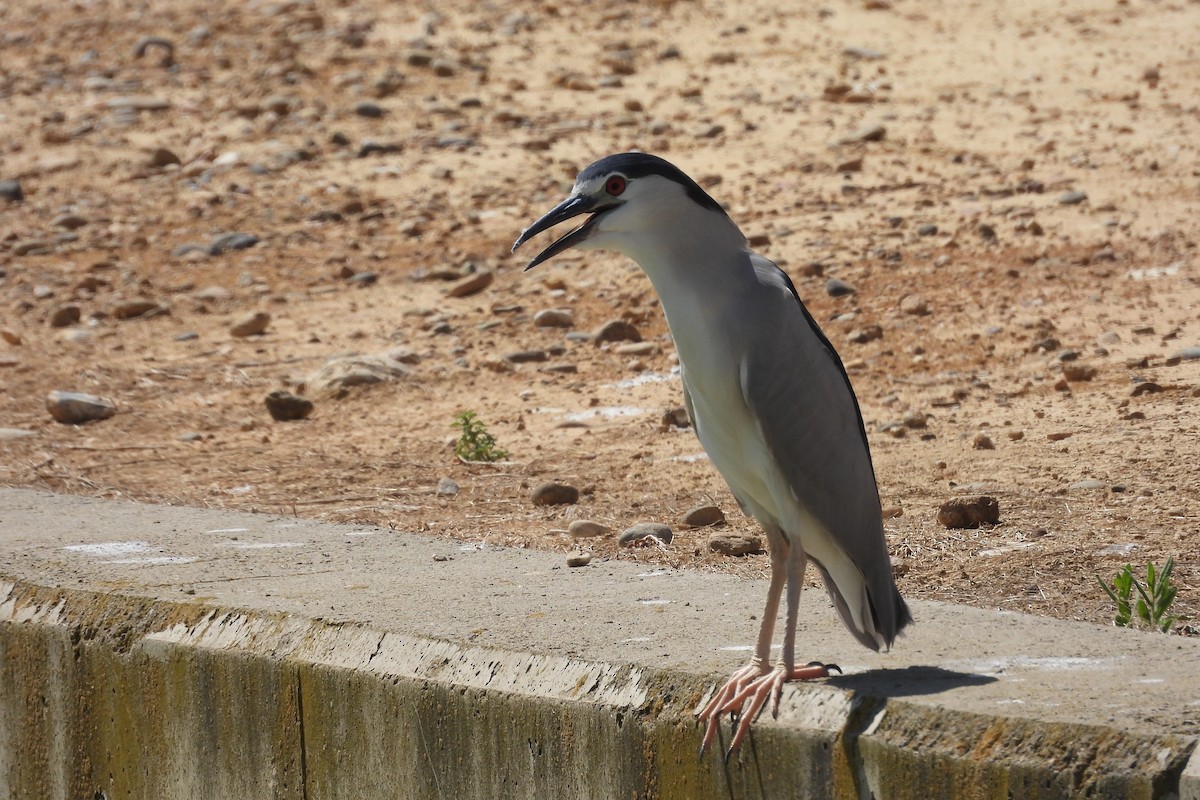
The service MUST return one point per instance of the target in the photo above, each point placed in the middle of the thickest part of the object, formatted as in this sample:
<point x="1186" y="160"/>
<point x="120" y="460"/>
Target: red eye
<point x="614" y="185"/>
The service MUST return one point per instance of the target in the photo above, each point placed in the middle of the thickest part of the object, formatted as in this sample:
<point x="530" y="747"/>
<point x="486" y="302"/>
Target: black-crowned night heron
<point x="769" y="399"/>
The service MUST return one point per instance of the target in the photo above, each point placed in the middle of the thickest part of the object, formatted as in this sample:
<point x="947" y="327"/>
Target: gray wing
<point x="798" y="389"/>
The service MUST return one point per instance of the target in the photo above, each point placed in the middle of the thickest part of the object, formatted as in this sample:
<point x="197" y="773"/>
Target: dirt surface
<point x="1048" y="314"/>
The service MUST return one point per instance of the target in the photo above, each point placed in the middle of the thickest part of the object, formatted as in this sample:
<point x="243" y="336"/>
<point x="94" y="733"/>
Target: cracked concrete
<point x="148" y="651"/>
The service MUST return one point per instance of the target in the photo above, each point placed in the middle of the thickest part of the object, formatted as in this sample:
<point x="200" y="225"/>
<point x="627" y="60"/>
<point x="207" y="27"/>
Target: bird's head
<point x="629" y="196"/>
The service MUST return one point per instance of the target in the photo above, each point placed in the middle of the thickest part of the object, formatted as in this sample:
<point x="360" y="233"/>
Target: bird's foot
<point x="746" y="693"/>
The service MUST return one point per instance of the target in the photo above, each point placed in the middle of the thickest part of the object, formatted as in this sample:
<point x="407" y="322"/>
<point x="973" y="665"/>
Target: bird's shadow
<point x="907" y="681"/>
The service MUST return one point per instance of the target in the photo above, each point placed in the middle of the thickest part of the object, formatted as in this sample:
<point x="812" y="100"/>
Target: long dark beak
<point x="573" y="206"/>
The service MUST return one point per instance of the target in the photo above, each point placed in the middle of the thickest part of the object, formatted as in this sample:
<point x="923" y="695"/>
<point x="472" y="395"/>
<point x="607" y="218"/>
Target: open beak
<point x="573" y="206"/>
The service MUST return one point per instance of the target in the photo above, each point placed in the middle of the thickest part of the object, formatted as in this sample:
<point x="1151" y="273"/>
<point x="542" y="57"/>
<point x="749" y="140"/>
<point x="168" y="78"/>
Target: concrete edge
<point x="142" y="698"/>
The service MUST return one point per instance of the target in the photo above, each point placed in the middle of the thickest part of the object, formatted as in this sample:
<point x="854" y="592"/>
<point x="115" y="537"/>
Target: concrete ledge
<point x="237" y="655"/>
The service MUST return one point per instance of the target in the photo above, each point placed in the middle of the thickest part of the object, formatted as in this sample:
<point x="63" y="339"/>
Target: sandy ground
<point x="1022" y="232"/>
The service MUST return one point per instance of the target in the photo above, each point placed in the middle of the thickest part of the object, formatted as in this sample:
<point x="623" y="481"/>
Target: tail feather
<point x="884" y="622"/>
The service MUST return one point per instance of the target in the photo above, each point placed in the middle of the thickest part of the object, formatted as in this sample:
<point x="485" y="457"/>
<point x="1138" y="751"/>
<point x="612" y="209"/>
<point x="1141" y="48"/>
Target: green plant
<point x="1154" y="598"/>
<point x="474" y="441"/>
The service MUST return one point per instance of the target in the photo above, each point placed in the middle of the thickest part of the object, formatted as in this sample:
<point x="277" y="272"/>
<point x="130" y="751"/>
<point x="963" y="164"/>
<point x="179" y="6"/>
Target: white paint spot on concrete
<point x="152" y="560"/>
<point x="606" y="412"/>
<point x="1151" y="680"/>
<point x="746" y="648"/>
<point x="652" y="574"/>
<point x="655" y="602"/>
<point x="109" y="548"/>
<point x="363" y="533"/>
<point x="228" y="530"/>
<point x="691" y="458"/>
<point x="264" y="545"/>
<point x="634" y="639"/>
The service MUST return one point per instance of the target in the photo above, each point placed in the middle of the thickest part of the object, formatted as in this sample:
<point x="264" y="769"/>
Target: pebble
<point x="64" y="316"/>
<point x="617" y="330"/>
<point x="232" y="241"/>
<point x="1078" y="372"/>
<point x="838" y="288"/>
<point x="251" y="325"/>
<point x="928" y="229"/>
<point x="642" y="532"/>
<point x="15" y="433"/>
<point x="983" y="442"/>
<point x="555" y="494"/>
<point x="969" y="512"/>
<point x="76" y="408"/>
<point x="850" y="165"/>
<point x="70" y="222"/>
<point x="368" y="109"/>
<point x="472" y="284"/>
<point x="1145" y="387"/>
<point x="1072" y="198"/>
<point x="1058" y="436"/>
<point x="187" y="248"/>
<point x="130" y="309"/>
<point x="734" y="544"/>
<point x="31" y="247"/>
<point x="10" y="336"/>
<point x="342" y="372"/>
<point x="1087" y="485"/>
<point x="636" y="349"/>
<point x="285" y="406"/>
<point x="186" y="336"/>
<point x="138" y="104"/>
<point x="868" y="334"/>
<point x="579" y="558"/>
<point x="11" y="191"/>
<point x="914" y="304"/>
<point x="190" y="436"/>
<point x="527" y="356"/>
<point x="867" y="133"/>
<point x="674" y="418"/>
<point x="554" y="318"/>
<point x="447" y="487"/>
<point x="704" y="517"/>
<point x="162" y="157"/>
<point x="587" y="529"/>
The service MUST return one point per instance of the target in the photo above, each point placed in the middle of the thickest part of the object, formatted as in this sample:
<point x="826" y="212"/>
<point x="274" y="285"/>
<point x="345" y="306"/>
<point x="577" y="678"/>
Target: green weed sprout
<point x="474" y="442"/>
<point x="1153" y="601"/>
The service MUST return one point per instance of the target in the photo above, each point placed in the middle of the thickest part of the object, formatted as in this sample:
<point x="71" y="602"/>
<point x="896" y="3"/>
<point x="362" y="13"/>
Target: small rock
<point x="76" y="408"/>
<point x="162" y="157"/>
<point x="928" y="229"/>
<point x="70" y="222"/>
<point x="642" y="532"/>
<point x="704" y="517"/>
<point x="838" y="288"/>
<point x="368" y="109"/>
<point x="231" y="241"/>
<point x="31" y="247"/>
<point x="1072" y="198"/>
<point x="188" y="248"/>
<point x="251" y="325"/>
<point x="617" y="330"/>
<point x="867" y="133"/>
<point x="1087" y="485"/>
<point x="363" y="279"/>
<point x="914" y="304"/>
<point x="555" y="494"/>
<point x="983" y="442"/>
<point x="1016" y="436"/>
<point x="554" y="318"/>
<point x="734" y="544"/>
<point x="527" y="356"/>
<point x="969" y="512"/>
<point x="1078" y="372"/>
<point x="11" y="191"/>
<point x="130" y="309"/>
<point x="851" y="165"/>
<point x="579" y="558"/>
<point x="190" y="436"/>
<point x="868" y="334"/>
<point x="587" y="529"/>
<point x="1058" y="436"/>
<point x="7" y="434"/>
<point x="472" y="284"/>
<point x="10" y="336"/>
<point x="674" y="418"/>
<point x="285" y="406"/>
<point x="64" y="316"/>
